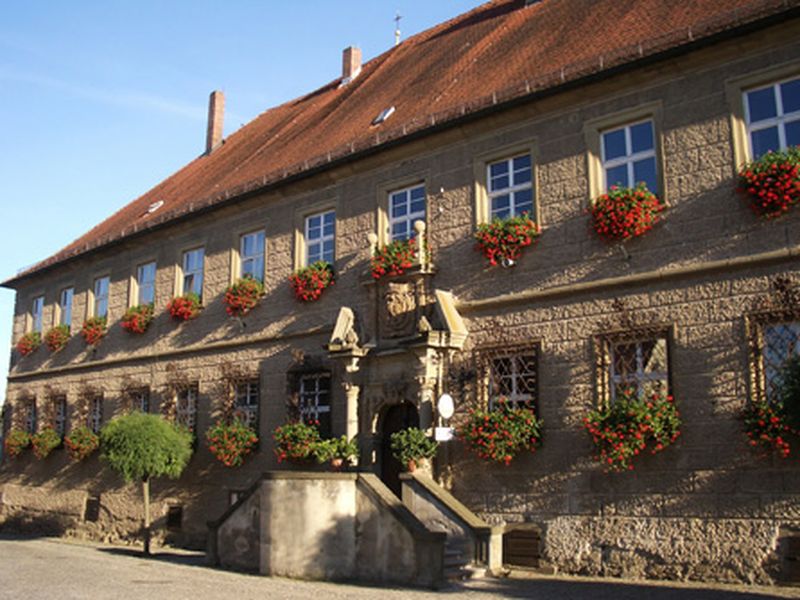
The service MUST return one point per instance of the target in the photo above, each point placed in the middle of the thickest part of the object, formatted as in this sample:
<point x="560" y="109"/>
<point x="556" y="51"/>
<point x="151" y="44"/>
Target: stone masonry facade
<point x="707" y="508"/>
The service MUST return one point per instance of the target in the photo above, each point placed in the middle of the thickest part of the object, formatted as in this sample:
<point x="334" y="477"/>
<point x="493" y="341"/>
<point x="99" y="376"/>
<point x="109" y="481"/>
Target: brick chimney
<point x="216" y="114"/>
<point x="351" y="64"/>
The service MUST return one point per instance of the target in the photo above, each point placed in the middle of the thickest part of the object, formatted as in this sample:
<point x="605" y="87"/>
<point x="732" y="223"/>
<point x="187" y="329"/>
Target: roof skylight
<point x="155" y="206"/>
<point x="385" y="114"/>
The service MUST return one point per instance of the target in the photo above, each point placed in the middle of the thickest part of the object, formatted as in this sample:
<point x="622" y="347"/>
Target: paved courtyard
<point x="49" y="568"/>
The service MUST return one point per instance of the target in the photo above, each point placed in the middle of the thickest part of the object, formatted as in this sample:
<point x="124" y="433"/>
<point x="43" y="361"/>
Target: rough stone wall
<point x="706" y="508"/>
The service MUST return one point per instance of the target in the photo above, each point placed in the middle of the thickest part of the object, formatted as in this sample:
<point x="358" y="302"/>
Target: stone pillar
<point x="351" y="392"/>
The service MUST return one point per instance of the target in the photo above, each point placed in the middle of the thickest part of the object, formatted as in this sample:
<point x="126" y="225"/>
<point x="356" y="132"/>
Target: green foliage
<point x="505" y="238"/>
<point x="412" y="444"/>
<point x="16" y="441"/>
<point x="81" y="442"/>
<point x="45" y="442"/>
<point x="295" y="441"/>
<point x="393" y="258"/>
<point x="141" y="446"/>
<point x="500" y="434"/>
<point x="341" y="447"/>
<point x="231" y="442"/>
<point x="790" y="391"/>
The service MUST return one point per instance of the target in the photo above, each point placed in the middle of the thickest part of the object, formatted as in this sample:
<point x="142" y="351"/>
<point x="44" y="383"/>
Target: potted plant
<point x="500" y="434"/>
<point x="241" y="297"/>
<point x="15" y="442"/>
<point x="45" y="442"/>
<point x="57" y="337"/>
<point x="503" y="240"/>
<point x="230" y="442"/>
<point x="185" y="308"/>
<point x="631" y="426"/>
<point x="93" y="330"/>
<point x="411" y="446"/>
<point x="393" y="258"/>
<point x="338" y="451"/>
<point x="772" y="182"/>
<point x="29" y="342"/>
<point x="295" y="441"/>
<point x="137" y="318"/>
<point x="309" y="282"/>
<point x="623" y="213"/>
<point x="81" y="442"/>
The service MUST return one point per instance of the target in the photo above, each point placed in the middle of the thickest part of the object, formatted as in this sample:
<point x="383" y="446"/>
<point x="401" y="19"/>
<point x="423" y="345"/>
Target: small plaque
<point x="443" y="434"/>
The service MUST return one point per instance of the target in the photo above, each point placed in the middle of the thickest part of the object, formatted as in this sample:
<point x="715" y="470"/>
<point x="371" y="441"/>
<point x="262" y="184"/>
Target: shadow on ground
<point x="191" y="559"/>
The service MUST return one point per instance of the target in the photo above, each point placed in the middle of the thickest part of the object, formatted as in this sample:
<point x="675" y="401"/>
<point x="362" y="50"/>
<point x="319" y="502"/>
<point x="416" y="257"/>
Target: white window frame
<point x="409" y="218"/>
<point x="630" y="158"/>
<point x="321" y="239"/>
<point x="512" y="189"/>
<point x="60" y="415"/>
<point x="37" y="314"/>
<point x="95" y="417"/>
<point x="65" y="298"/>
<point x="247" y="398"/>
<point x="143" y="286"/>
<point x="193" y="278"/>
<point x="641" y="376"/>
<point x="186" y="401"/>
<point x="310" y="393"/>
<point x="778" y="121"/>
<point x="516" y="399"/>
<point x="253" y="259"/>
<point x="101" y="299"/>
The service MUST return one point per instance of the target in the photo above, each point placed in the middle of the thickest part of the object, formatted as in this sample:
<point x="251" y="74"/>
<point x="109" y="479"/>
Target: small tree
<point x="141" y="446"/>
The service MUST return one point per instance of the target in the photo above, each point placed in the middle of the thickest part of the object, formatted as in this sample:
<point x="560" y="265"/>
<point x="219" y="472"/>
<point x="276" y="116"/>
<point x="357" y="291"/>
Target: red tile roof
<point x="497" y="52"/>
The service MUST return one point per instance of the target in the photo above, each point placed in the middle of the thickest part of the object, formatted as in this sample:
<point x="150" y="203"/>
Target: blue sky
<point x="99" y="101"/>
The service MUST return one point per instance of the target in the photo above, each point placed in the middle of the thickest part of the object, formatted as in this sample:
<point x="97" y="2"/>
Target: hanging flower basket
<point x="393" y="258"/>
<point x="15" y="442"/>
<point x="28" y="343"/>
<point x="295" y="441"/>
<point x="772" y="182"/>
<point x="499" y="435"/>
<point x="624" y="213"/>
<point x="57" y="337"/>
<point x="81" y="442"/>
<point x="243" y="296"/>
<point x="185" y="308"/>
<point x="137" y="318"/>
<point x="45" y="442"/>
<point x="502" y="240"/>
<point x="93" y="330"/>
<point x="631" y="426"/>
<point x="309" y="282"/>
<point x="231" y="442"/>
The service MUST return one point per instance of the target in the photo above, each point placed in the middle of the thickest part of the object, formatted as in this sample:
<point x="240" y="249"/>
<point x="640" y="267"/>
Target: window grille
<point x="95" y="421"/>
<point x="510" y="373"/>
<point x="60" y="415"/>
<point x="186" y="407"/>
<point x="246" y="402"/>
<point x="773" y="341"/>
<point x="315" y="400"/>
<point x="633" y="362"/>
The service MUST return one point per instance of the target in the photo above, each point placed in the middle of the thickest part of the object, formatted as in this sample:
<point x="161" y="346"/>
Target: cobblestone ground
<point x="48" y="568"/>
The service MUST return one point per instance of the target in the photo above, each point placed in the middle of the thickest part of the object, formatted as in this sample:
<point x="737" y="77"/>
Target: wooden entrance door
<point x="397" y="417"/>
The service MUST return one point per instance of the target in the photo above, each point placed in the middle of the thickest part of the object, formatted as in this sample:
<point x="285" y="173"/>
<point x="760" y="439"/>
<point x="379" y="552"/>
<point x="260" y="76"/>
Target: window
<point x="510" y="187"/>
<point x="629" y="156"/>
<point x="320" y="234"/>
<point x="193" y="272"/>
<point x="637" y="364"/>
<point x="37" y="311"/>
<point x="65" y="306"/>
<point x="315" y="401"/>
<point x="60" y="415"/>
<point x="780" y="341"/>
<point x="186" y="407"/>
<point x="140" y="400"/>
<point x="512" y="376"/>
<point x="95" y="419"/>
<point x="246" y="402"/>
<point x="772" y="114"/>
<point x="30" y="415"/>
<point x="101" y="297"/>
<point x="405" y="207"/>
<point x="251" y="254"/>
<point x="146" y="283"/>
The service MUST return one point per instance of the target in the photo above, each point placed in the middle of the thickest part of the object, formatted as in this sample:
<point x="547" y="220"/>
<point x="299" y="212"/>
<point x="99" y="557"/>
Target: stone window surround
<point x="735" y="89"/>
<point x="480" y="166"/>
<point x="180" y="274"/>
<point x="594" y="128"/>
<point x="300" y="217"/>
<point x="236" y="245"/>
<point x="385" y="188"/>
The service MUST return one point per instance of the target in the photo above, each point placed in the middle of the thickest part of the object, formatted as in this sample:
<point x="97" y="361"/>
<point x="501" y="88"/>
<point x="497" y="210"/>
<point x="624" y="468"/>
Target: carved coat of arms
<point x="398" y="310"/>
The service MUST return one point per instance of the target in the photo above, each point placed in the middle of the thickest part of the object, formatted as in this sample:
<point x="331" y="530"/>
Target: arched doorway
<point x="396" y="418"/>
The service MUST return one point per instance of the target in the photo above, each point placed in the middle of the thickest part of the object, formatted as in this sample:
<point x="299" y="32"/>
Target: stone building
<point x="515" y="106"/>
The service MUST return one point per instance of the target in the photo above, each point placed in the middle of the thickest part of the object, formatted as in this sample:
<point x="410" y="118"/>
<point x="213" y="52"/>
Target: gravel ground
<point x="55" y="568"/>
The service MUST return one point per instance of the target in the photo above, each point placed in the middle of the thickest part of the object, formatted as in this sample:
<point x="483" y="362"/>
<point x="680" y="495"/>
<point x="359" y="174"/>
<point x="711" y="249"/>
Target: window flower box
<point x="45" y="442"/>
<point x="81" y="442"/>
<point x="93" y="330"/>
<point x="499" y="435"/>
<point x="623" y="213"/>
<point x="231" y="442"/>
<point x="185" y="308"/>
<point x="15" y="442"/>
<point x="296" y="441"/>
<point x="503" y="240"/>
<point x="244" y="295"/>
<point x="394" y="258"/>
<point x="29" y="343"/>
<point x="57" y="337"/>
<point x="772" y="182"/>
<point x="137" y="318"/>
<point x="309" y="282"/>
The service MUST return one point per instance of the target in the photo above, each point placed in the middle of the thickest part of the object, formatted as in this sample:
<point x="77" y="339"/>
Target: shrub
<point x="45" y="442"/>
<point x="623" y="213"/>
<point x="81" y="442"/>
<point x="393" y="258"/>
<point x="15" y="442"/>
<point x="500" y="434"/>
<point x="295" y="441"/>
<point x="772" y="182"/>
<point x="243" y="296"/>
<point x="93" y="330"/>
<point x="57" y="337"/>
<point x="632" y="425"/>
<point x="29" y="343"/>
<point x="231" y="442"/>
<point x="505" y="238"/>
<point x="137" y="318"/>
<point x="309" y="282"/>
<point x="186" y="307"/>
<point x="412" y="445"/>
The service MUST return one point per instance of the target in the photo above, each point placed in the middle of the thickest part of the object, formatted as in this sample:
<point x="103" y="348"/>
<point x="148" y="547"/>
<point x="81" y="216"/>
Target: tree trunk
<point x="146" y="528"/>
